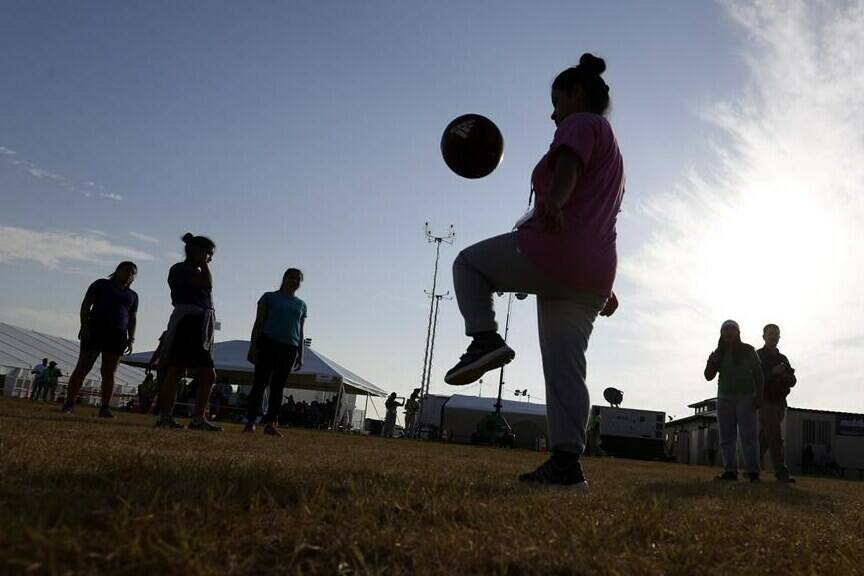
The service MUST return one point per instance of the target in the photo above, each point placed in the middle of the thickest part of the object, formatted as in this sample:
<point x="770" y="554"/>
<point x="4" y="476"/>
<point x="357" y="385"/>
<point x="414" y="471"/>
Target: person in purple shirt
<point x="108" y="320"/>
<point x="564" y="252"/>
<point x="187" y="345"/>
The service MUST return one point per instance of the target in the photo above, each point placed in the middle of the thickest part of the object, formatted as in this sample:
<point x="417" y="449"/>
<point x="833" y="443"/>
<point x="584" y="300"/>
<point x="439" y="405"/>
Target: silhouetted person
<point x="52" y="376"/>
<point x="808" y="459"/>
<point x="108" y="320"/>
<point x="779" y="378"/>
<point x="391" y="405"/>
<point x="38" y="379"/>
<point x="565" y="253"/>
<point x="276" y="348"/>
<point x="739" y="395"/>
<point x="188" y="342"/>
<point x="412" y="407"/>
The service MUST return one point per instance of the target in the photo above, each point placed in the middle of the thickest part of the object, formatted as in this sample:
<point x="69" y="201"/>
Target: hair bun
<point x="188" y="237"/>
<point x="592" y="64"/>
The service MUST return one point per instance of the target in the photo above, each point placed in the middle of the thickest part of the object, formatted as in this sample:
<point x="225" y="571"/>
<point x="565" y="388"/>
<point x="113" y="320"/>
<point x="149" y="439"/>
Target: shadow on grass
<point x="78" y="418"/>
<point x="764" y="491"/>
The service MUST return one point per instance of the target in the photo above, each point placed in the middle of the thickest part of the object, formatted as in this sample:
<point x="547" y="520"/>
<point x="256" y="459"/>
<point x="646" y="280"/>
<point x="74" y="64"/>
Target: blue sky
<point x="306" y="134"/>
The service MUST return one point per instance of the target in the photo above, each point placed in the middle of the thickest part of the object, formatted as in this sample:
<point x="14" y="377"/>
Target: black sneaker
<point x="272" y="430"/>
<point x="785" y="480"/>
<point x="105" y="412"/>
<point x="727" y="476"/>
<point x="68" y="407"/>
<point x="558" y="474"/>
<point x="754" y="477"/>
<point x="486" y="352"/>
<point x="168" y="422"/>
<point x="204" y="425"/>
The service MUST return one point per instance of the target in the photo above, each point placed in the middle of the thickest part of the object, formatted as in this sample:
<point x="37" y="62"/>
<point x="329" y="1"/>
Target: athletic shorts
<point x="187" y="346"/>
<point x="105" y="340"/>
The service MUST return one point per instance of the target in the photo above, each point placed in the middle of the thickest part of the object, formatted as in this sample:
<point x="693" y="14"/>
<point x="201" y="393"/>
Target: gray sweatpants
<point x="737" y="414"/>
<point x="771" y="436"/>
<point x="565" y="319"/>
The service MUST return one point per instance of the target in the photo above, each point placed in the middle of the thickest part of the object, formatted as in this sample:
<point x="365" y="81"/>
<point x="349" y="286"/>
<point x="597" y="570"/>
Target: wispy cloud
<point x="54" y="248"/>
<point x="88" y="190"/>
<point x="144" y="237"/>
<point x="42" y="320"/>
<point x="771" y="232"/>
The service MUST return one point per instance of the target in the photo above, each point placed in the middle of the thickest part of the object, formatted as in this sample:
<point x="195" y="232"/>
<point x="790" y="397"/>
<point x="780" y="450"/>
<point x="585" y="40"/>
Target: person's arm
<point x="611" y="305"/>
<point x="298" y="363"/>
<point x="712" y="366"/>
<point x="84" y="314"/>
<point x="568" y="169"/>
<point x="201" y="277"/>
<point x="260" y="317"/>
<point x="758" y="378"/>
<point x="133" y="323"/>
<point x="789" y="377"/>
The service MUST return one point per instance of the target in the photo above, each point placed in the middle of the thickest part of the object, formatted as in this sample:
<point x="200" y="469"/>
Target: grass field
<point x="79" y="495"/>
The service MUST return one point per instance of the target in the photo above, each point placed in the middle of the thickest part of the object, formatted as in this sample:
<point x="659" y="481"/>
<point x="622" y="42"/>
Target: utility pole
<point x="437" y="299"/>
<point x="433" y="316"/>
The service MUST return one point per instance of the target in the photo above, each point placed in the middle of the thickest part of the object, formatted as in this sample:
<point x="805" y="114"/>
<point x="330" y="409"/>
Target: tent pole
<point x="338" y="403"/>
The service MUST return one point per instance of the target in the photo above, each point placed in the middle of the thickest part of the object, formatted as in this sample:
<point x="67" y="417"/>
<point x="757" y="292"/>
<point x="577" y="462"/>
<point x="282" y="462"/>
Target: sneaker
<point x="558" y="473"/>
<point x="486" y="352"/>
<point x="249" y="428"/>
<point x="68" y="407"/>
<point x="754" y="477"/>
<point x="168" y="422"/>
<point x="105" y="412"/>
<point x="727" y="476"/>
<point x="786" y="480"/>
<point x="271" y="430"/>
<point x="204" y="425"/>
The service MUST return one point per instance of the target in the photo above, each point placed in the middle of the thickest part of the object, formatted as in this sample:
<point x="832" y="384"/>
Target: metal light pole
<point x="433" y="305"/>
<point x="437" y="300"/>
<point x="519" y="296"/>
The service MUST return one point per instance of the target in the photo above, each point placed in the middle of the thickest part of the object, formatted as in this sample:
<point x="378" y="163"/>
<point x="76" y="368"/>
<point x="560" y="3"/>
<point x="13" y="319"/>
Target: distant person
<point x="565" y="253"/>
<point x="51" y="377"/>
<point x="808" y="459"/>
<point x="739" y="396"/>
<point x="187" y="346"/>
<point x="779" y="378"/>
<point x="38" y="379"/>
<point x="108" y="320"/>
<point x="391" y="405"/>
<point x="595" y="426"/>
<point x="412" y="408"/>
<point x="276" y="348"/>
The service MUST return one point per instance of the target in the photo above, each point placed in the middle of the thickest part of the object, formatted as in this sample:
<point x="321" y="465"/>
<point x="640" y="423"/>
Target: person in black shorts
<point x="108" y="320"/>
<point x="187" y="346"/>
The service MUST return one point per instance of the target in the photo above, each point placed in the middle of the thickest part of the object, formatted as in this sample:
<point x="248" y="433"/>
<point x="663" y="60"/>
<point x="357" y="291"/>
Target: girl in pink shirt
<point x="565" y="253"/>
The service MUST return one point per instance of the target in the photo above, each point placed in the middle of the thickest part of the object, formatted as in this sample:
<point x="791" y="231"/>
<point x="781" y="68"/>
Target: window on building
<point x="817" y="432"/>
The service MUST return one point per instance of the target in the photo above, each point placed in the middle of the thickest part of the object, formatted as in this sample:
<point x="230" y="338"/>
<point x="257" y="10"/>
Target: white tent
<point x="318" y="372"/>
<point x="20" y="349"/>
<point x="460" y="416"/>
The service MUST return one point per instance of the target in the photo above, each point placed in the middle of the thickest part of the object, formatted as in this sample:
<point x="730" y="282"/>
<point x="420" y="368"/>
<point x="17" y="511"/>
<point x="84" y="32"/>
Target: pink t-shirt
<point x="583" y="255"/>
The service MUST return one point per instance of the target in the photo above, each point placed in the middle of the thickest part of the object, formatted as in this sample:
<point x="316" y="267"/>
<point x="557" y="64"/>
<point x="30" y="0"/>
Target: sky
<point x="306" y="134"/>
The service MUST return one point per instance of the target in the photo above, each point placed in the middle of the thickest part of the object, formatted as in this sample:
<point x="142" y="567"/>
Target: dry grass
<point x="80" y="495"/>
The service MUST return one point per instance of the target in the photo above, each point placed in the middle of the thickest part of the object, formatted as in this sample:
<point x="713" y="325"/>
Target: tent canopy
<point x="318" y="372"/>
<point x="22" y="348"/>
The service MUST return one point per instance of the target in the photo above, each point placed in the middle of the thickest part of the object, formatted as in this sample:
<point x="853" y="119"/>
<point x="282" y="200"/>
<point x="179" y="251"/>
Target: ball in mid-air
<point x="472" y="146"/>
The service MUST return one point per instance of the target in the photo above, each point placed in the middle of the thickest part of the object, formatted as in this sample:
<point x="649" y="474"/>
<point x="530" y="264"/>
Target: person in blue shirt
<point x="276" y="348"/>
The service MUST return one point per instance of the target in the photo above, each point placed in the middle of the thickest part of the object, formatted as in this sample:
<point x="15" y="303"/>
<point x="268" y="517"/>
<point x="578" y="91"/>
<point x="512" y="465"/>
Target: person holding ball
<point x="276" y="348"/>
<point x="564" y="252"/>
